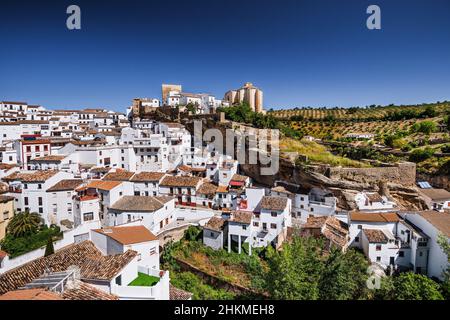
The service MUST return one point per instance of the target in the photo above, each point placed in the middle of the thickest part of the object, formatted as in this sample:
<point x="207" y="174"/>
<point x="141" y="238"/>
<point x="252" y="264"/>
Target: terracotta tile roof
<point x="186" y="168"/>
<point x="215" y="223"/>
<point x="440" y="220"/>
<point x="140" y="203"/>
<point x="241" y="217"/>
<point x="98" y="267"/>
<point x="207" y="188"/>
<point x="179" y="181"/>
<point x="13" y="176"/>
<point x="65" y="185"/>
<point x="50" y="158"/>
<point x="30" y="294"/>
<point x="436" y="194"/>
<point x="375" y="236"/>
<point x="61" y="260"/>
<point x="314" y="222"/>
<point x="374" y="217"/>
<point x="147" y="176"/>
<point x="84" y="291"/>
<point x="118" y="176"/>
<point x="103" y="185"/>
<point x="178" y="294"/>
<point x="129" y="234"/>
<point x="37" y="176"/>
<point x="274" y="203"/>
<point x="240" y="178"/>
<point x="222" y="189"/>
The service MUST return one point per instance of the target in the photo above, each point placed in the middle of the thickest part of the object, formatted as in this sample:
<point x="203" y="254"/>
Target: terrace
<point x="148" y="285"/>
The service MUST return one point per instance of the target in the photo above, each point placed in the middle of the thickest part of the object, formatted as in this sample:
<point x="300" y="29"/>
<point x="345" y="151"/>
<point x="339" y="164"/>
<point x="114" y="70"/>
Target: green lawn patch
<point x="144" y="280"/>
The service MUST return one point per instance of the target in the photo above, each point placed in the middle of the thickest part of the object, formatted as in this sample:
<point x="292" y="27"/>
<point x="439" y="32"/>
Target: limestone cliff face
<point x="438" y="181"/>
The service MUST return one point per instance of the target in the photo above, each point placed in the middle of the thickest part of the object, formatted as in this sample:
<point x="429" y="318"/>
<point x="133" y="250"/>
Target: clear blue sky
<point x="300" y="53"/>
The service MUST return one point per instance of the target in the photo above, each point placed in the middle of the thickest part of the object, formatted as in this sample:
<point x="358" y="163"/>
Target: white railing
<point x="160" y="291"/>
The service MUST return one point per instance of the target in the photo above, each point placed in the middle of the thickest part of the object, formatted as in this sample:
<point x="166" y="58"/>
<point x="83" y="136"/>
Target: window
<point x="356" y="239"/>
<point x="273" y="225"/>
<point x="273" y="213"/>
<point x="153" y="251"/>
<point x="359" y="226"/>
<point x="401" y="254"/>
<point x="25" y="200"/>
<point x="378" y="259"/>
<point x="256" y="223"/>
<point x="312" y="209"/>
<point x="88" y="216"/>
<point x="25" y="186"/>
<point x="39" y="186"/>
<point x="119" y="280"/>
<point x="378" y="247"/>
<point x="41" y="210"/>
<point x="5" y="215"/>
<point x="28" y="148"/>
<point x="420" y="253"/>
<point x="40" y="201"/>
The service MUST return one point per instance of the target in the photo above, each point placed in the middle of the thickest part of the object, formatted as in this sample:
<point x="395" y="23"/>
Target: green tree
<point x="445" y="246"/>
<point x="294" y="271"/>
<point x="24" y="223"/>
<point x="344" y="276"/>
<point x="409" y="286"/>
<point x="49" y="249"/>
<point x="420" y="155"/>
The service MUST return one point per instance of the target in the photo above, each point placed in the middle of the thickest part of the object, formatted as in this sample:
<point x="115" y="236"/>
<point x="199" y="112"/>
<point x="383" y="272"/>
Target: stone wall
<point x="403" y="173"/>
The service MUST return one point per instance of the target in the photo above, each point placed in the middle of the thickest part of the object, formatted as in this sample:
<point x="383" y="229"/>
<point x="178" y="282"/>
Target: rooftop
<point x="436" y="194"/>
<point x="140" y="203"/>
<point x="439" y="220"/>
<point x="128" y="234"/>
<point x="179" y="181"/>
<point x="374" y="217"/>
<point x="119" y="175"/>
<point x="215" y="223"/>
<point x="375" y="236"/>
<point x="65" y="185"/>
<point x="241" y="217"/>
<point x="147" y="176"/>
<point x="93" y="265"/>
<point x="274" y="203"/>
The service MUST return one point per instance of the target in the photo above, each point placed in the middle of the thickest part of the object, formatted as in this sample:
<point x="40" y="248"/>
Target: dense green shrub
<point x="16" y="246"/>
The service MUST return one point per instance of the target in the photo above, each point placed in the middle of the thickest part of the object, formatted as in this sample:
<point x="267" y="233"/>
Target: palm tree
<point x="24" y="223"/>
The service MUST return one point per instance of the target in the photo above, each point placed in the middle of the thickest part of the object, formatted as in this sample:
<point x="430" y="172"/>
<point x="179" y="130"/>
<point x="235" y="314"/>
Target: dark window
<point x="273" y="213"/>
<point x="25" y="200"/>
<point x="40" y="201"/>
<point x="378" y="247"/>
<point x="356" y="239"/>
<point x="88" y="216"/>
<point x="273" y="225"/>
<point x="401" y="254"/>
